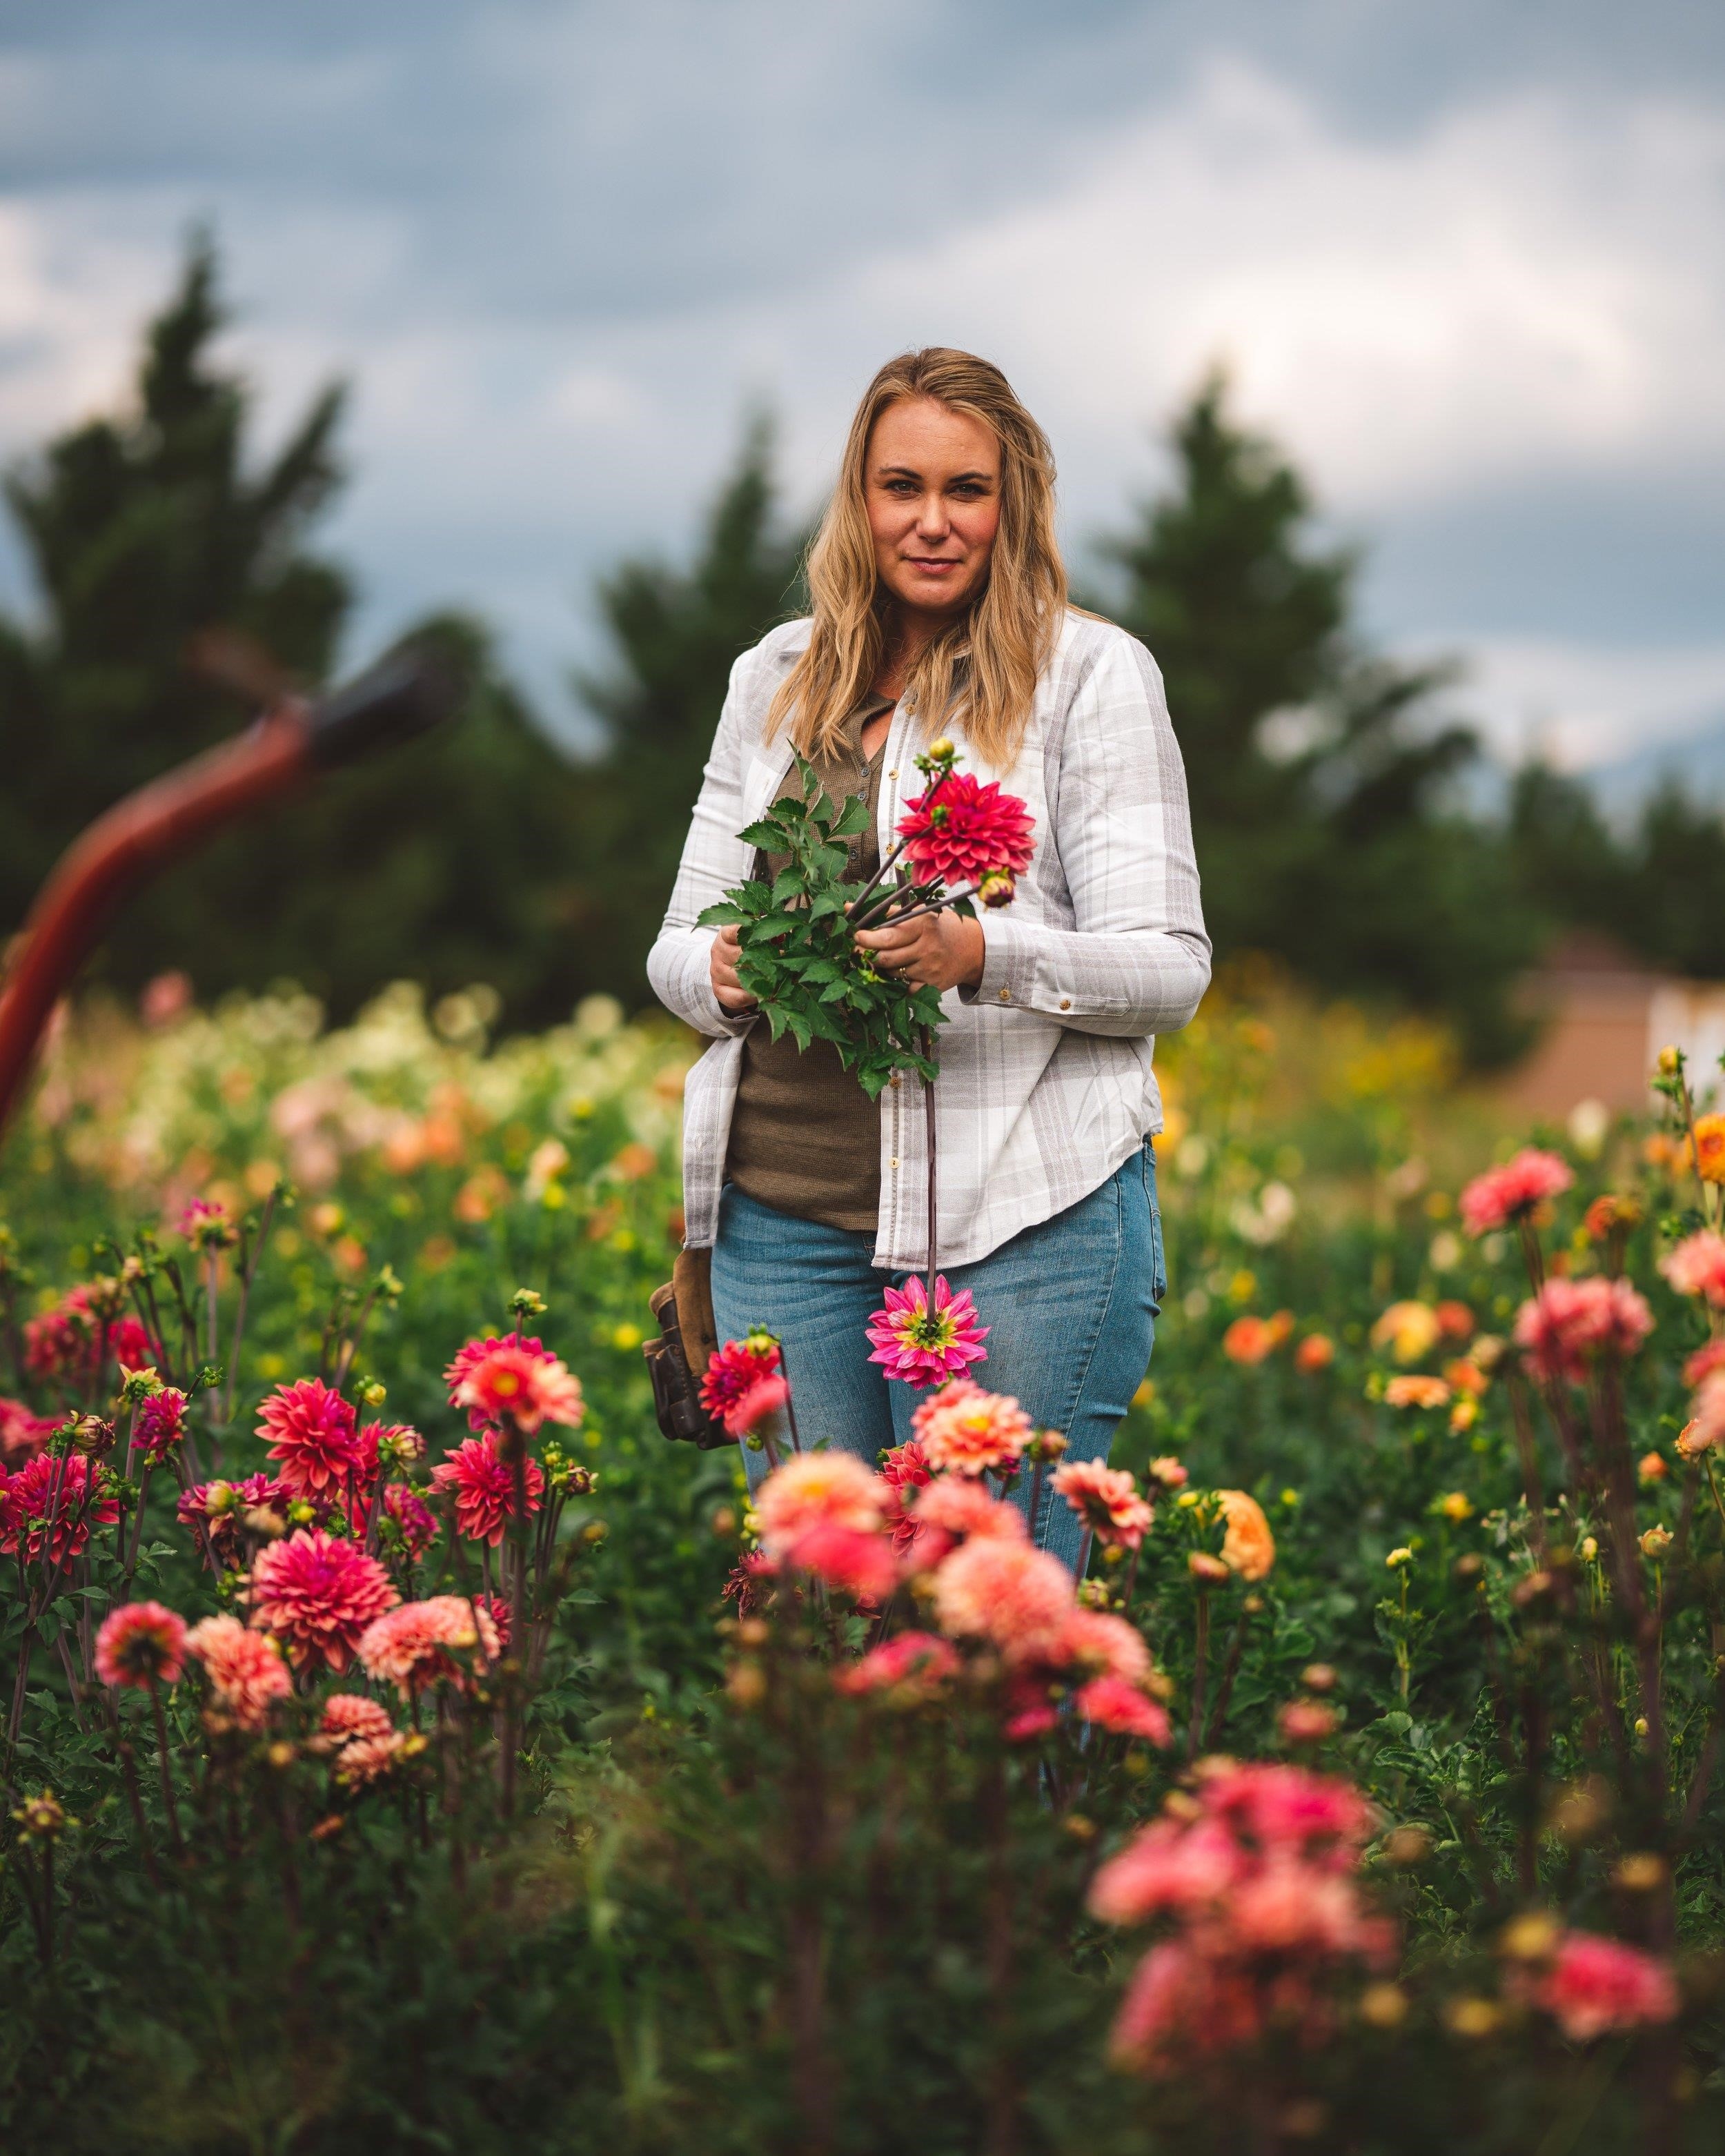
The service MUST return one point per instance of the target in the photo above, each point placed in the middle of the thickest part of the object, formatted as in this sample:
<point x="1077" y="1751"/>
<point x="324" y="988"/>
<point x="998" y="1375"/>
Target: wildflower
<point x="737" y="1367"/>
<point x="48" y="1507"/>
<point x="483" y="1485"/>
<point x="1112" y="1703"/>
<point x="245" y="1669"/>
<point x="912" y="1664"/>
<point x="161" y="1423"/>
<point x="468" y="1358"/>
<point x="1696" y="1266"/>
<point x="142" y="1645"/>
<point x="959" y="832"/>
<point x="1415" y="1391"/>
<point x="314" y="1439"/>
<point x="318" y="1595"/>
<point x="347" y="1715"/>
<point x="1002" y="1590"/>
<point x="1514" y="1191"/>
<point x="525" y="1387"/>
<point x="1709" y="1148"/>
<point x="1106" y="1499"/>
<point x="922" y="1344"/>
<point x="1316" y="1352"/>
<point x="1596" y="1986"/>
<point x="965" y="1430"/>
<point x="1409" y="1330"/>
<point x="22" y="1432"/>
<point x="417" y="1644"/>
<point x="1571" y="1322"/>
<point x="1248" y="1547"/>
<point x="817" y="1489"/>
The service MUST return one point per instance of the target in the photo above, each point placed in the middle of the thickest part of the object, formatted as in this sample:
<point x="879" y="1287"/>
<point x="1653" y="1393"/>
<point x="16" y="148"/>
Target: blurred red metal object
<point x="163" y="821"/>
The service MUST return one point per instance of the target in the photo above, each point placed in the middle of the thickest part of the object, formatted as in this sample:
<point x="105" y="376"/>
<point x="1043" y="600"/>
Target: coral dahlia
<point x="512" y="1384"/>
<point x="817" y="1489"/>
<point x="923" y="1345"/>
<point x="443" y="1639"/>
<point x="912" y="1663"/>
<point x="1513" y="1191"/>
<point x="1106" y="1499"/>
<point x="468" y="1358"/>
<point x="1112" y="1703"/>
<point x="483" y="1485"/>
<point x="314" y="1439"/>
<point x="1696" y="1266"/>
<point x="246" y="1672"/>
<point x="317" y="1595"/>
<point x="142" y="1645"/>
<point x="1596" y="1986"/>
<point x="964" y="1430"/>
<point x="959" y="832"/>
<point x="1017" y="1598"/>
<point x="347" y="1715"/>
<point x="950" y="1510"/>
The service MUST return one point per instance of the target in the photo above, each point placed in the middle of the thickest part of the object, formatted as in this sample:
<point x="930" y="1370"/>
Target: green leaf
<point x="766" y="835"/>
<point x="853" y="818"/>
<point x="719" y="916"/>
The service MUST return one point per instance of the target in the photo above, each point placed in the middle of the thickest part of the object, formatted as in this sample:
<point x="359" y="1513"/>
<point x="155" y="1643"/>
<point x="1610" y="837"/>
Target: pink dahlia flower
<point x="737" y="1367"/>
<point x="161" y="1423"/>
<point x="246" y="1672"/>
<point x="1017" y="1598"/>
<point x="1106" y="1499"/>
<point x="904" y="1470"/>
<point x="916" y="1663"/>
<point x="317" y="1595"/>
<point x="468" y="1358"/>
<point x="48" y="1507"/>
<point x="850" y="1559"/>
<point x="1702" y="1364"/>
<point x="1168" y="1865"/>
<point x="1696" y="1266"/>
<point x="367" y="1759"/>
<point x="951" y="1509"/>
<point x="1179" y="2005"/>
<point x="1513" y="1191"/>
<point x="347" y="1715"/>
<point x="221" y="1507"/>
<point x="1570" y="1323"/>
<point x="525" y="1389"/>
<point x="313" y="1438"/>
<point x="1595" y="1985"/>
<point x="1277" y="1807"/>
<point x="958" y="832"/>
<point x="764" y="1399"/>
<point x="923" y="1346"/>
<point x="483" y="1485"/>
<point x="964" y="1430"/>
<point x="1112" y="1703"/>
<point x="817" y="1489"/>
<point x="78" y="1341"/>
<point x="1029" y="1712"/>
<point x="444" y="1639"/>
<point x="502" y="1617"/>
<point x="1102" y="1645"/>
<point x="140" y="1644"/>
<point x="22" y="1432"/>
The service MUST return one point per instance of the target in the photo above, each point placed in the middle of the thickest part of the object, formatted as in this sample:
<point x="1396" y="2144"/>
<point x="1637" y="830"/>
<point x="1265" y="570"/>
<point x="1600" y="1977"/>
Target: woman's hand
<point x="732" y="995"/>
<point x="937" y="950"/>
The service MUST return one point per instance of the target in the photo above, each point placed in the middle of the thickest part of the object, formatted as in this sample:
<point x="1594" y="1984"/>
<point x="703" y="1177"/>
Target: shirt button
<point x="1006" y="995"/>
<point x="897" y="1079"/>
<point x="892" y="1163"/>
<point x="893" y="773"/>
<point x="1066" y="1003"/>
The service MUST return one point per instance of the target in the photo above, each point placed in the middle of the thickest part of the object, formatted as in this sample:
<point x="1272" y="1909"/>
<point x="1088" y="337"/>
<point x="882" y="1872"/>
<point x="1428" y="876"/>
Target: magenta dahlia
<point x="483" y="1485"/>
<point x="161" y="1423"/>
<point x="48" y="1507"/>
<point x="923" y="1345"/>
<point x="22" y="1432"/>
<point x="959" y="832"/>
<point x="317" y="1595"/>
<point x="735" y="1371"/>
<point x="313" y="1439"/>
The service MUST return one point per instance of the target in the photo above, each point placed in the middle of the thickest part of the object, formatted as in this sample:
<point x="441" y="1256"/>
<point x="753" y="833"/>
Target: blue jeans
<point x="1071" y="1305"/>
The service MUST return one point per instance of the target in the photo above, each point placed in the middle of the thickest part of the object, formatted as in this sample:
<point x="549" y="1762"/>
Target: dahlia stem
<point x="167" y="1787"/>
<point x="1200" y="1658"/>
<point x="930" y="1129"/>
<point x="790" y="1404"/>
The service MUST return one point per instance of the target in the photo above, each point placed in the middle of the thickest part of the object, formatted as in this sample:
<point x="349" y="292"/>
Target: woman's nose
<point x="932" y="521"/>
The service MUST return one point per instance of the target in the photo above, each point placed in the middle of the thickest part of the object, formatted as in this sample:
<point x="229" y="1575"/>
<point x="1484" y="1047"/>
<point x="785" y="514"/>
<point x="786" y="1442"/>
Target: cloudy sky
<point x="1468" y="262"/>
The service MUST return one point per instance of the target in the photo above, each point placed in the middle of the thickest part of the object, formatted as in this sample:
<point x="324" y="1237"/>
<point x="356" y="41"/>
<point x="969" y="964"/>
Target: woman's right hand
<point x="732" y="996"/>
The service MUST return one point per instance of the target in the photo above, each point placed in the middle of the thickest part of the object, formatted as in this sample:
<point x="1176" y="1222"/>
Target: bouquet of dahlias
<point x="959" y="842"/>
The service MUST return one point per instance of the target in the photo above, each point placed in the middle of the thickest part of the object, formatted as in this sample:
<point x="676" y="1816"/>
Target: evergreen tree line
<point x="178" y="587"/>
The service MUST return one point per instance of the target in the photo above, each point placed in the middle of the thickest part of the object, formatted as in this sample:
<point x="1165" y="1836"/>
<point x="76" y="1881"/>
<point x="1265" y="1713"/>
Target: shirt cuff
<point x="1009" y="974"/>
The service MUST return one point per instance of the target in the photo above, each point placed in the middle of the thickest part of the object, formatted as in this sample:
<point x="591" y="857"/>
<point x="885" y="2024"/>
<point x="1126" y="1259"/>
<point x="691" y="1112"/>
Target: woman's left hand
<point x="938" y="951"/>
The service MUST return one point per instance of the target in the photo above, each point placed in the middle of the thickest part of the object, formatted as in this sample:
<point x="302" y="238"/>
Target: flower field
<point x="408" y="1747"/>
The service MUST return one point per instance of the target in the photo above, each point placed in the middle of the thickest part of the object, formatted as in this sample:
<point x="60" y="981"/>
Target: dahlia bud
<point x="1047" y="1446"/>
<point x="1305" y="1721"/>
<point x="524" y="1303"/>
<point x="138" y="1385"/>
<point x="1207" y="1570"/>
<point x="1671" y="1062"/>
<point x="219" y="1499"/>
<point x="1318" y="1676"/>
<point x="1399" y="1558"/>
<point x="1529" y="1937"/>
<point x="264" y="1520"/>
<point x="996" y="889"/>
<point x="941" y="751"/>
<point x="1656" y="1541"/>
<point x="1640" y="1872"/>
<point x="373" y="1393"/>
<point x="92" y="1436"/>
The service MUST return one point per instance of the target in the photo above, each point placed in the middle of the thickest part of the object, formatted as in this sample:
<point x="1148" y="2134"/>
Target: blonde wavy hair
<point x="982" y="669"/>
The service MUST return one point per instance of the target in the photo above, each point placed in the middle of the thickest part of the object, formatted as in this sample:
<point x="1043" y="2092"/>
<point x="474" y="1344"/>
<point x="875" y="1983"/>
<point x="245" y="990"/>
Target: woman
<point x="940" y="607"/>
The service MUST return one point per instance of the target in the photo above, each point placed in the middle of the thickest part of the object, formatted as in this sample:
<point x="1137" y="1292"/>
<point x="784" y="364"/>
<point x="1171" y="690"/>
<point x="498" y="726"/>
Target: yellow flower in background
<point x="1456" y="1505"/>
<point x="1409" y="1330"/>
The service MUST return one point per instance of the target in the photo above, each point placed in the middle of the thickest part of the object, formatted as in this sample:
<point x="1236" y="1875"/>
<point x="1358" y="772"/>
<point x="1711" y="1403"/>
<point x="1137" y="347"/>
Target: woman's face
<point x="932" y="481"/>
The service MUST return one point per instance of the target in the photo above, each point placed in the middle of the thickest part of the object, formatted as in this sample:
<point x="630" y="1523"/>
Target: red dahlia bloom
<point x="959" y="832"/>
<point x="483" y="1485"/>
<point x="64" y="1488"/>
<point x="77" y="1342"/>
<point x="468" y="1358"/>
<point x="313" y="1438"/>
<point x="161" y="1423"/>
<point x="909" y="1662"/>
<point x="142" y="1644"/>
<point x="510" y="1384"/>
<point x="1595" y="1985"/>
<point x="22" y="1432"/>
<point x="317" y="1595"/>
<point x="737" y="1367"/>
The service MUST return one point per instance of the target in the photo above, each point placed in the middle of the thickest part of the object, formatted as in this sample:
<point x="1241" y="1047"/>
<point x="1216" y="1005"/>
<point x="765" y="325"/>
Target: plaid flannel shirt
<point x="1046" y="1084"/>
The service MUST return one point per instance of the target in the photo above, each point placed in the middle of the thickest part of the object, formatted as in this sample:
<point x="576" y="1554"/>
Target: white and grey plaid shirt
<point x="1046" y="1083"/>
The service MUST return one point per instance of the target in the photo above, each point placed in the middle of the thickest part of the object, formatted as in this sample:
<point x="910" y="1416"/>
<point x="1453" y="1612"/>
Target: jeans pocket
<point x="1158" y="1261"/>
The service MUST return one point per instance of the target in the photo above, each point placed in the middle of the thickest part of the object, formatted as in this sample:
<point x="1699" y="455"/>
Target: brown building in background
<point x="1604" y="1018"/>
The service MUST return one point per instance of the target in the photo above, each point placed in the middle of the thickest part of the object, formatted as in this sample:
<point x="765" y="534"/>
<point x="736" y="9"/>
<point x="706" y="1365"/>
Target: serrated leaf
<point x="853" y="818"/>
<point x="766" y="836"/>
<point x="723" y="915"/>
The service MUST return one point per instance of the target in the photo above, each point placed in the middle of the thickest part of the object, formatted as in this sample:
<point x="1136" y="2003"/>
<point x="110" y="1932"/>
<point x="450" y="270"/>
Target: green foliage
<point x="795" y="948"/>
